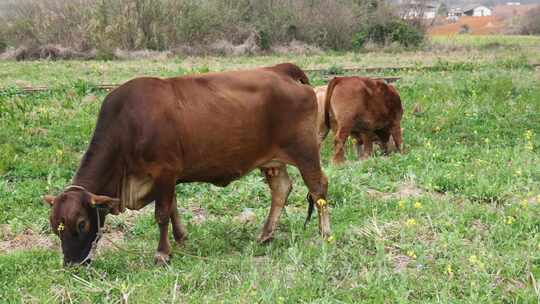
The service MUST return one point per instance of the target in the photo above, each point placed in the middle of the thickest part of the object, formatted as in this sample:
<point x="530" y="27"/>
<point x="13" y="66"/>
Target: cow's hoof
<point x="161" y="258"/>
<point x="264" y="238"/>
<point x="338" y="163"/>
<point x="180" y="239"/>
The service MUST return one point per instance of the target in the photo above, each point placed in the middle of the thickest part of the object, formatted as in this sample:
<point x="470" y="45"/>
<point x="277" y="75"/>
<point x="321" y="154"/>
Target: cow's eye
<point x="82" y="227"/>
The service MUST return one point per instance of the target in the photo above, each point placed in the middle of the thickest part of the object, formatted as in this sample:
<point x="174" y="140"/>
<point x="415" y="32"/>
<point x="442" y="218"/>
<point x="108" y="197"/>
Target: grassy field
<point x="463" y="49"/>
<point x="476" y="41"/>
<point x="456" y="219"/>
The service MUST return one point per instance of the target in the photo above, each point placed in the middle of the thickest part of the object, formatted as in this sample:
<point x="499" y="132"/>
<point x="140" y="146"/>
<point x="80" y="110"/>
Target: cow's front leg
<point x="383" y="136"/>
<point x="179" y="230"/>
<point x="163" y="211"/>
<point x="368" y="145"/>
<point x="280" y="185"/>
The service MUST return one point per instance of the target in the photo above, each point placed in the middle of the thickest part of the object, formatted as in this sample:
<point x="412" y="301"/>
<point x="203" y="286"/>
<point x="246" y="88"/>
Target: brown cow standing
<point x="367" y="109"/>
<point x="153" y="133"/>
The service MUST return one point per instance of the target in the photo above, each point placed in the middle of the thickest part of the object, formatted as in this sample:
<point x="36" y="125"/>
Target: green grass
<point x="486" y="40"/>
<point x="468" y="238"/>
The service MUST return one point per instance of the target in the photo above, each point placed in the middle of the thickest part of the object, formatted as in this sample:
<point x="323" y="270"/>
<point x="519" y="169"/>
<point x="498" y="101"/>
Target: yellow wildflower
<point x="509" y="220"/>
<point x="418" y="205"/>
<point x="410" y="222"/>
<point x="449" y="269"/>
<point x="473" y="259"/>
<point x="401" y="204"/>
<point x="411" y="254"/>
<point x="528" y="134"/>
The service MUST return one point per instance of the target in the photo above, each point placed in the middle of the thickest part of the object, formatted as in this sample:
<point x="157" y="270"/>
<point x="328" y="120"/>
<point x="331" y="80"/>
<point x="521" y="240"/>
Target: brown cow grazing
<point x="367" y="109"/>
<point x="153" y="133"/>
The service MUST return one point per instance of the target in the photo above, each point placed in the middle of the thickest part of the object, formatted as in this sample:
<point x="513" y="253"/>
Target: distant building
<point x="418" y="9"/>
<point x="473" y="10"/>
<point x="454" y="13"/>
<point x="477" y="11"/>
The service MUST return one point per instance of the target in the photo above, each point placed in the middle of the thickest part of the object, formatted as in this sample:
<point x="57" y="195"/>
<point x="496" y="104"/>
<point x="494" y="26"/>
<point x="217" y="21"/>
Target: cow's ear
<point x="113" y="204"/>
<point x="48" y="200"/>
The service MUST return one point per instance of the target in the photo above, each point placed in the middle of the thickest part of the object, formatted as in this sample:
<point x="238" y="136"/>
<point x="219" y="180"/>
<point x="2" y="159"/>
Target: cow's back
<point x="214" y="127"/>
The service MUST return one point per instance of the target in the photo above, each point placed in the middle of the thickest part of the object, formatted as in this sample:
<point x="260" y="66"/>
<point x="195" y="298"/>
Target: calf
<point x="367" y="109"/>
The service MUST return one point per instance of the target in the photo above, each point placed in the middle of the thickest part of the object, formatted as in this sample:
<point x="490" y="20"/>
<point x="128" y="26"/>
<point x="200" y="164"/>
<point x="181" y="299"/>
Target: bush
<point x="531" y="22"/>
<point x="395" y="31"/>
<point x="194" y="26"/>
<point x="464" y="29"/>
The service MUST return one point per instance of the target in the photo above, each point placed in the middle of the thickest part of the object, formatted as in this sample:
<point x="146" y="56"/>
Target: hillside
<point x="476" y="25"/>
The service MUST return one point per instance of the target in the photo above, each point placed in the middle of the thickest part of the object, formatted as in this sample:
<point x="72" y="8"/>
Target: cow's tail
<point x="328" y="97"/>
<point x="311" y="207"/>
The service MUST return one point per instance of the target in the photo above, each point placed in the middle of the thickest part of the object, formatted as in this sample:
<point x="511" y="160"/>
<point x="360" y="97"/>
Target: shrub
<point x="464" y="29"/>
<point x="394" y="31"/>
<point x="531" y="22"/>
<point x="100" y="26"/>
<point x="406" y="34"/>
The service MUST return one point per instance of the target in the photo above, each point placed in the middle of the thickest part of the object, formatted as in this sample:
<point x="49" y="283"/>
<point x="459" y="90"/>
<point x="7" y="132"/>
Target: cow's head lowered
<point x="76" y="218"/>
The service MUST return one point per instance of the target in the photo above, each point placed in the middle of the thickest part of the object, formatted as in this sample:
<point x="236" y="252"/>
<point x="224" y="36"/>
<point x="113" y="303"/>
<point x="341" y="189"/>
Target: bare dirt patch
<point x="476" y="25"/>
<point x="401" y="262"/>
<point x="31" y="240"/>
<point x="246" y="217"/>
<point x="110" y="240"/>
<point x="5" y="232"/>
<point x="28" y="240"/>
<point x="199" y="215"/>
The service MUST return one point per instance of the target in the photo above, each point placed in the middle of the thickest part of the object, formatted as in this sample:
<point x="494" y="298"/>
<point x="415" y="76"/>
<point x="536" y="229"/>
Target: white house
<point x="417" y="9"/>
<point x="473" y="10"/>
<point x="477" y="11"/>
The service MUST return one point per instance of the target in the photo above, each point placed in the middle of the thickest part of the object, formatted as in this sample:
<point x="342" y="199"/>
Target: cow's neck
<point x="100" y="171"/>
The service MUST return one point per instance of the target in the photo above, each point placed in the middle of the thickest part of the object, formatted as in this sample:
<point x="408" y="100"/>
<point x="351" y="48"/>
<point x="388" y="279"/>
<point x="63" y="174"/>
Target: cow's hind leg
<point x="179" y="231"/>
<point x="397" y="134"/>
<point x="164" y="189"/>
<point x="280" y="186"/>
<point x="368" y="145"/>
<point x="340" y="140"/>
<point x="358" y="144"/>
